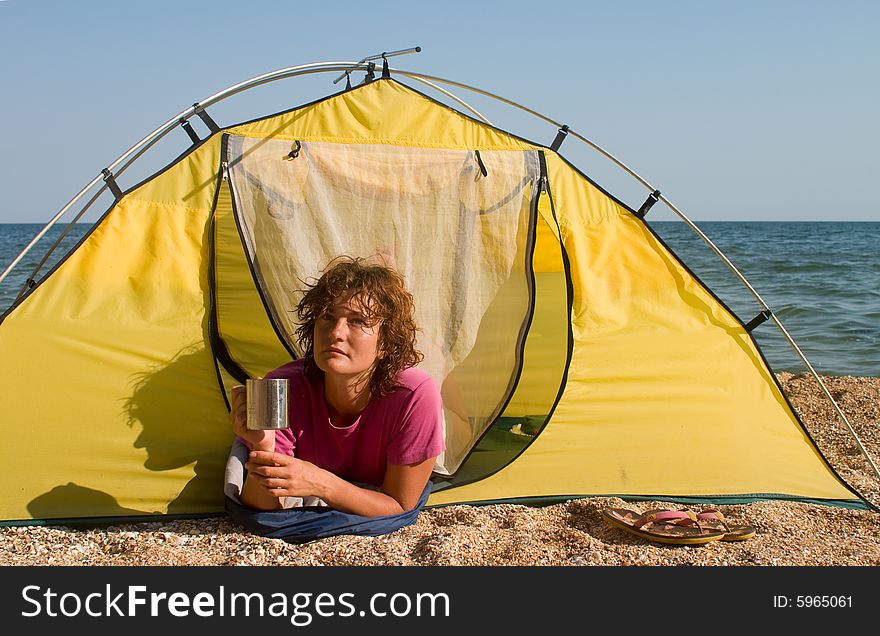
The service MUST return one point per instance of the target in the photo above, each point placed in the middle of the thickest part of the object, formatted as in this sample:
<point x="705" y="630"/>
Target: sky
<point x="743" y="110"/>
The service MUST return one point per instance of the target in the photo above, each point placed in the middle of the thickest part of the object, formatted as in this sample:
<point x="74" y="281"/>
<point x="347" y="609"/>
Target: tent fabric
<point x="631" y="379"/>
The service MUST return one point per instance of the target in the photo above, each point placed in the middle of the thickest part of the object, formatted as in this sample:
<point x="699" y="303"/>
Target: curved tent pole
<point x="138" y="149"/>
<point x="381" y="56"/>
<point x="612" y="158"/>
<point x="144" y="144"/>
<point x="319" y="67"/>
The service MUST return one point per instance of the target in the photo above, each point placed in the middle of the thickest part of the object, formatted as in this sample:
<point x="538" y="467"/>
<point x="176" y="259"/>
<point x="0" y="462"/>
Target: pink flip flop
<point x="679" y="527"/>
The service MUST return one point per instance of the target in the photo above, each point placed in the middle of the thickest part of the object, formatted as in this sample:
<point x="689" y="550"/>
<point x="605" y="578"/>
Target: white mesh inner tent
<point x="459" y="225"/>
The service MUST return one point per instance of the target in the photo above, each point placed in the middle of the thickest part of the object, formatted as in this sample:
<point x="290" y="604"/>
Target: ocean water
<point x="821" y="279"/>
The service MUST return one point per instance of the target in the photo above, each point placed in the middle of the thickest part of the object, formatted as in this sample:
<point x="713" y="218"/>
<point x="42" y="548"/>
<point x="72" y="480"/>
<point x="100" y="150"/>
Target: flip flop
<point x="710" y="518"/>
<point x="714" y="519"/>
<point x="678" y="527"/>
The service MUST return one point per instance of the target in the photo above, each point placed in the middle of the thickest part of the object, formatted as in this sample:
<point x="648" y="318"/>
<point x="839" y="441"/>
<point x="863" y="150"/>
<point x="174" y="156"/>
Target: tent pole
<point x="140" y="147"/>
<point x="144" y="144"/>
<point x="379" y="56"/>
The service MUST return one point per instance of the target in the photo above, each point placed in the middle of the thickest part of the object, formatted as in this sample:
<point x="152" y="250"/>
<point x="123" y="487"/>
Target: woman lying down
<point x="365" y="425"/>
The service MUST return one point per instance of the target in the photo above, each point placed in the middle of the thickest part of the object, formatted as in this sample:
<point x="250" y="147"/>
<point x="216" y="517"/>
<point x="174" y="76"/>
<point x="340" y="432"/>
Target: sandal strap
<point x="667" y="517"/>
<point x="713" y="515"/>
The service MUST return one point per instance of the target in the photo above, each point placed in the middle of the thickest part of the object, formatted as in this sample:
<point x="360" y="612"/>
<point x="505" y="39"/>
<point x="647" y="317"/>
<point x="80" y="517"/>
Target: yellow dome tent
<point x="578" y="355"/>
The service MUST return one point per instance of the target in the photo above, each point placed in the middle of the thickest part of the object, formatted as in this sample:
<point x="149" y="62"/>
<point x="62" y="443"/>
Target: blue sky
<point x="735" y="111"/>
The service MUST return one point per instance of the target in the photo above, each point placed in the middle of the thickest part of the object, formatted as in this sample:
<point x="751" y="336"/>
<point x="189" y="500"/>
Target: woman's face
<point x="346" y="344"/>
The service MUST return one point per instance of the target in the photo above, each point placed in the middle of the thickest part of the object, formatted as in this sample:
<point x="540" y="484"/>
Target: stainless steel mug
<point x="266" y="404"/>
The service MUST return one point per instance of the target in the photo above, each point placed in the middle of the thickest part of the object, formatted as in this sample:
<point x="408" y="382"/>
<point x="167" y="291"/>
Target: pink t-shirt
<point x="404" y="427"/>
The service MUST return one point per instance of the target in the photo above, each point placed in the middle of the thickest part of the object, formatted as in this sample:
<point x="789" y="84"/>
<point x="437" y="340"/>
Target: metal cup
<point x="266" y="404"/>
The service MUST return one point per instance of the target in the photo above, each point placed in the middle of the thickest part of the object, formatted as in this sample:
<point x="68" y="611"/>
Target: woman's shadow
<point x="178" y="428"/>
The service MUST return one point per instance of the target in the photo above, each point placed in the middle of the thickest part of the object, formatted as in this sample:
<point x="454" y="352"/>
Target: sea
<point x="821" y="279"/>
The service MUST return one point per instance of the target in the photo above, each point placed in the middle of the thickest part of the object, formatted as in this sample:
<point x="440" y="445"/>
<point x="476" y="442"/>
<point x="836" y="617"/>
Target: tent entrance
<point x="459" y="225"/>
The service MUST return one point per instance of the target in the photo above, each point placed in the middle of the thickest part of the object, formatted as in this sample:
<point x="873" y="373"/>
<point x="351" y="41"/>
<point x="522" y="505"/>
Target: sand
<point x="572" y="533"/>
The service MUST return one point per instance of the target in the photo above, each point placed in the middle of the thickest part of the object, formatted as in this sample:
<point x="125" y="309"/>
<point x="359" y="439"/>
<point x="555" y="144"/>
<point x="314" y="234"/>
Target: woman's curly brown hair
<point x="385" y="300"/>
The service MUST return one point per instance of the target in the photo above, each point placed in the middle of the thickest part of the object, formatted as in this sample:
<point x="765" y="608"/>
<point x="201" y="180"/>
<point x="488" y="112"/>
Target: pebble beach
<point x="572" y="533"/>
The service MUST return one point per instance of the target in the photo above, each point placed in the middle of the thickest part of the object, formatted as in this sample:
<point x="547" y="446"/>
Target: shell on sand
<point x="569" y="533"/>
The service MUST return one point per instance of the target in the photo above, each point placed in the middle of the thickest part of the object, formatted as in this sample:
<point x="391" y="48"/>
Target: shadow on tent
<point x="172" y="438"/>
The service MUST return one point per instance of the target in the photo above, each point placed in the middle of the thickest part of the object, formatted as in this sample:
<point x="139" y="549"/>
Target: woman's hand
<point x="258" y="440"/>
<point x="283" y="475"/>
<point x="273" y="476"/>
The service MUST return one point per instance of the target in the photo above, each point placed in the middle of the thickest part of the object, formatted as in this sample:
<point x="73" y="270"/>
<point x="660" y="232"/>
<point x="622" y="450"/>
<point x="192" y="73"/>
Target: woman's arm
<point x="253" y="494"/>
<point x="284" y="476"/>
